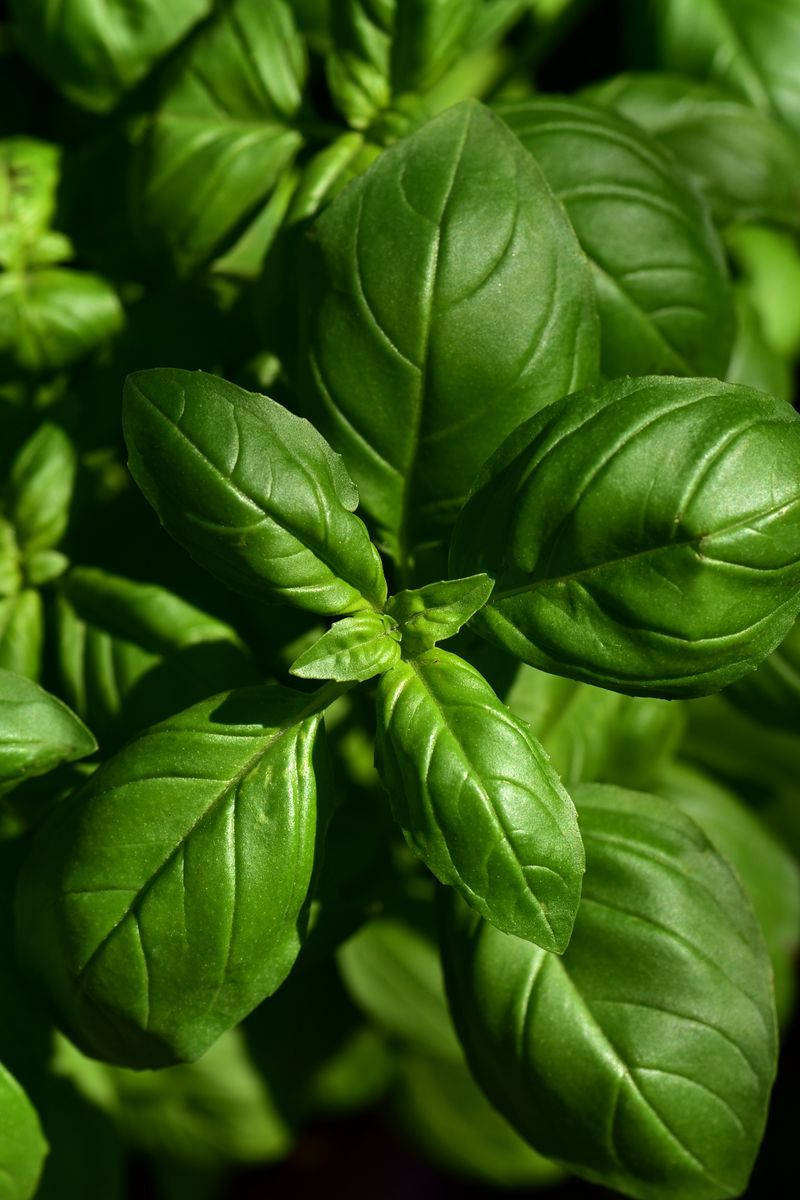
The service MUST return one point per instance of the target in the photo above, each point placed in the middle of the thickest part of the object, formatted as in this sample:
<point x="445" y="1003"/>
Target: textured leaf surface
<point x="251" y="491"/>
<point x="165" y="899"/>
<point x="644" y="536"/>
<point x="745" y="163"/>
<point x="748" y="45"/>
<point x="642" y="1059"/>
<point x="663" y="295"/>
<point x="94" y="50"/>
<point x="22" y="1145"/>
<point x="769" y="874"/>
<point x="450" y="300"/>
<point x="51" y="318"/>
<point x="477" y="799"/>
<point x="354" y="648"/>
<point x="37" y="731"/>
<point x="131" y="653"/>
<point x="433" y="613"/>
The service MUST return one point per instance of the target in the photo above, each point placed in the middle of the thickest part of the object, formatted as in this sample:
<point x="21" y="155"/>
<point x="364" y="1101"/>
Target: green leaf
<point x="713" y="135"/>
<point x="668" y="582"/>
<point x="221" y="141"/>
<point x="43" y="566"/>
<point x="22" y="1145"/>
<point x="768" y="261"/>
<point x="39" y="489"/>
<point x="355" y="648"/>
<point x="10" y="567"/>
<point x="594" y="735"/>
<point x="51" y="318"/>
<point x="392" y="970"/>
<point x="29" y="176"/>
<point x="754" y="362"/>
<point x="251" y="491"/>
<point x="643" y="1059"/>
<point x="663" y="294"/>
<point x="477" y="799"/>
<point x="95" y="51"/>
<point x="769" y="875"/>
<point x="131" y="653"/>
<point x="771" y="694"/>
<point x="166" y="899"/>
<point x="434" y="324"/>
<point x="383" y="48"/>
<point x="433" y="613"/>
<point x="750" y="46"/>
<point x="22" y="633"/>
<point x="37" y="731"/>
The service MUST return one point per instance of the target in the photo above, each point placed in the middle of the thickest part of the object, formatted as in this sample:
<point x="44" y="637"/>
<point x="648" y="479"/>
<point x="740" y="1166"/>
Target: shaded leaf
<point x="37" y="731"/>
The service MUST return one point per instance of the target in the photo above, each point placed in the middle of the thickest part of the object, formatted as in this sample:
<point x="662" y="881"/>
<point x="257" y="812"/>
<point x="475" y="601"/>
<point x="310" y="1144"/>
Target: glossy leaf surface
<point x="354" y="648"/>
<point x="477" y="799"/>
<point x="437" y="611"/>
<point x="673" y="581"/>
<point x="22" y="1144"/>
<point x="165" y="899"/>
<point x="37" y="731"/>
<point x="437" y="323"/>
<point x="642" y="1059"/>
<point x="663" y="295"/>
<point x="250" y="490"/>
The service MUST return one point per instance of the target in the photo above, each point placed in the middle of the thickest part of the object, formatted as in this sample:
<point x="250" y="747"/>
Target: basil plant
<point x="415" y="719"/>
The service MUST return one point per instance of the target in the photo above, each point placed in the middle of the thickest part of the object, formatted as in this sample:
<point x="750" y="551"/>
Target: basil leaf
<point x="39" y="489"/>
<point x="51" y="318"/>
<point x="754" y="362"/>
<point x="434" y="326"/>
<point x="383" y="49"/>
<point x="94" y="52"/>
<point x="29" y="176"/>
<point x="477" y="799"/>
<point x="771" y="694"/>
<point x="22" y="1144"/>
<point x="712" y="134"/>
<point x="37" y="731"/>
<point x="649" y="239"/>
<point x="768" y="261"/>
<point x="10" y="567"/>
<point x="250" y="490"/>
<point x="131" y="653"/>
<point x="22" y="633"/>
<point x="749" y="46"/>
<point x="643" y="1059"/>
<point x="355" y="648"/>
<point x="673" y="583"/>
<point x="393" y="972"/>
<point x="769" y="875"/>
<point x="165" y="899"/>
<point x="433" y="613"/>
<point x="220" y="141"/>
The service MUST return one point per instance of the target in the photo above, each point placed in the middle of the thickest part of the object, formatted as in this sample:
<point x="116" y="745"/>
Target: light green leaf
<point x="748" y="45"/>
<point x="663" y="293"/>
<point x="37" y="731"/>
<point x="95" y="50"/>
<point x="166" y="899"/>
<point x="433" y="613"/>
<point x="745" y="163"/>
<point x="754" y="362"/>
<point x="354" y="648"/>
<point x="132" y="653"/>
<point x="669" y="582"/>
<point x="768" y="261"/>
<point x="22" y="1144"/>
<point x="251" y="491"/>
<point x="769" y="875"/>
<point x="51" y="318"/>
<point x="29" y="176"/>
<point x="642" y="1059"/>
<point x="10" y="567"/>
<point x="22" y="633"/>
<point x="477" y="799"/>
<point x="434" y="323"/>
<point x="43" y="566"/>
<point x="39" y="489"/>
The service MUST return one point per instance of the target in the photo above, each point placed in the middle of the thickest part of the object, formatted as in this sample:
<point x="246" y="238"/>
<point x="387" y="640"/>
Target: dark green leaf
<point x="642" y="1059"/>
<point x="37" y="731"/>
<point x="50" y="318"/>
<point x="252" y="491"/>
<point x="355" y="648"/>
<point x="771" y="694"/>
<point x="433" y="613"/>
<point x="436" y="324"/>
<point x="22" y="1146"/>
<point x="477" y="799"/>
<point x="672" y="581"/>
<point x="95" y="51"/>
<point x="165" y="899"/>
<point x="663" y="296"/>
<point x="39" y="490"/>
<point x="745" y="164"/>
